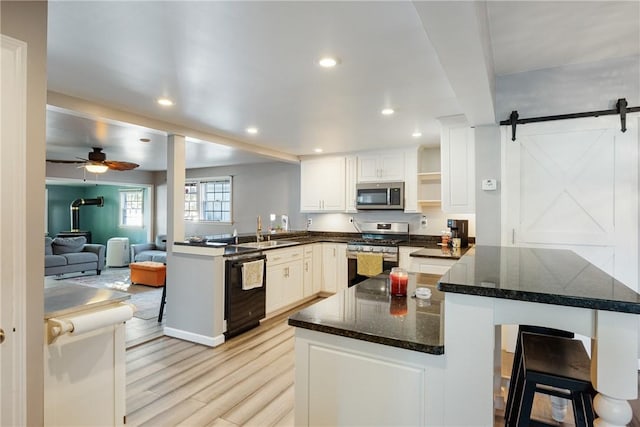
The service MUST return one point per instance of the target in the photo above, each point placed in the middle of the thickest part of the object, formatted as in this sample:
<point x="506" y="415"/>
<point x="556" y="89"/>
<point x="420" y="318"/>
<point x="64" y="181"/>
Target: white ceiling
<point x="229" y="65"/>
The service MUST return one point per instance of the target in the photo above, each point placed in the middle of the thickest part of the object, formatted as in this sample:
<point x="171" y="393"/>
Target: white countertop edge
<point x="197" y="250"/>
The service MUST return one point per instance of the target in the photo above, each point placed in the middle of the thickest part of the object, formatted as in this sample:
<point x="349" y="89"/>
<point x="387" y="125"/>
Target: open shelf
<point x="429" y="202"/>
<point x="429" y="176"/>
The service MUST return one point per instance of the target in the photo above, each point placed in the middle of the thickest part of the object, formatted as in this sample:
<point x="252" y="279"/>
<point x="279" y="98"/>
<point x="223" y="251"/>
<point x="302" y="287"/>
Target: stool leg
<point x="578" y="409"/>
<point x="164" y="297"/>
<point x="526" y="404"/>
<point x="513" y="381"/>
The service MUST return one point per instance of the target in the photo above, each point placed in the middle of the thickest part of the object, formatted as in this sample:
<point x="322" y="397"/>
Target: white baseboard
<point x="196" y="338"/>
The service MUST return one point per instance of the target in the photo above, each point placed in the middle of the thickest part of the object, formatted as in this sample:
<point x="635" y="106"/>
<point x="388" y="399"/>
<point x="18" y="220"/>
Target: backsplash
<point x="436" y="221"/>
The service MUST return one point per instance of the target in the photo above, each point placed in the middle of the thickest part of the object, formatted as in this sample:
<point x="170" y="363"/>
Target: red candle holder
<point x="398" y="279"/>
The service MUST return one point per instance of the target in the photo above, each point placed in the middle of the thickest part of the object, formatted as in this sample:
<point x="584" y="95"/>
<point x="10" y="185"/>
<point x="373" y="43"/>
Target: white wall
<point x="258" y="189"/>
<point x="27" y="21"/>
<point x="569" y="89"/>
<point x="488" y="165"/>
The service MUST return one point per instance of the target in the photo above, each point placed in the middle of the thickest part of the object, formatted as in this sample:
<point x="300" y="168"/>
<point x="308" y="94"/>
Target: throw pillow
<point x="47" y="246"/>
<point x="161" y="242"/>
<point x="66" y="245"/>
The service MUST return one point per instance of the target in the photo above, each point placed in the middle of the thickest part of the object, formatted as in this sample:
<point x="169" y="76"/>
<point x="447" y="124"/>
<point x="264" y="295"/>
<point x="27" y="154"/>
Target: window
<point x="208" y="199"/>
<point x="131" y="205"/>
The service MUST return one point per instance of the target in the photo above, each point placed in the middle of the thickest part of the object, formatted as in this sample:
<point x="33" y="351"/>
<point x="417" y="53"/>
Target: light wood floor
<point x="248" y="381"/>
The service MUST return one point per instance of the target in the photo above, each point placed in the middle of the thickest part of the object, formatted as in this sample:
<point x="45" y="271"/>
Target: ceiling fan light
<point x="96" y="168"/>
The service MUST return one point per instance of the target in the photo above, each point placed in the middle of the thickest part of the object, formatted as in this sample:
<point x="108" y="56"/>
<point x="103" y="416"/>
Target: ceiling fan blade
<point x="120" y="166"/>
<point x="66" y="161"/>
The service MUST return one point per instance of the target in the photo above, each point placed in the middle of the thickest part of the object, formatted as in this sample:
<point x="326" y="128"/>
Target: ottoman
<point x="148" y="273"/>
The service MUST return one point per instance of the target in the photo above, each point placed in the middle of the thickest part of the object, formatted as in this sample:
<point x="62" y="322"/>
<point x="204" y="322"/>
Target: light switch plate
<point x="489" y="184"/>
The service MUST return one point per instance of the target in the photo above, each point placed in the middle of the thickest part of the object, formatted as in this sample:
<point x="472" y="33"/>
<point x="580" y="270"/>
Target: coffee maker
<point x="460" y="229"/>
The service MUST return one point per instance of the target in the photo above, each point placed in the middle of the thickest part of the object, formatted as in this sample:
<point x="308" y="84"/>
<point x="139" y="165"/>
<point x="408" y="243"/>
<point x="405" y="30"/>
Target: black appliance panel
<point x="243" y="309"/>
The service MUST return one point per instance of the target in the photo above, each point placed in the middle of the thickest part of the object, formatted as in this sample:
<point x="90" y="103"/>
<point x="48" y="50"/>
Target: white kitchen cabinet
<point x="284" y="278"/>
<point x="317" y="267"/>
<point x="430" y="265"/>
<point x="322" y="185"/>
<point x="334" y="267"/>
<point x="307" y="270"/>
<point x="458" y="166"/>
<point x="411" y="181"/>
<point x="404" y="261"/>
<point x="381" y="166"/>
<point x="350" y="183"/>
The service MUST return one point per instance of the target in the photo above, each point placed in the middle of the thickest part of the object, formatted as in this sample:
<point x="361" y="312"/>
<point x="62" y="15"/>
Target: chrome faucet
<point x="259" y="230"/>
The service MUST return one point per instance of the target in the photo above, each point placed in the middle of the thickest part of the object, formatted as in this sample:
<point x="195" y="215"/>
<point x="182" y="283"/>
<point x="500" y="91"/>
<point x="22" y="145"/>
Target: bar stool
<point x="516" y="370"/>
<point x="558" y="367"/>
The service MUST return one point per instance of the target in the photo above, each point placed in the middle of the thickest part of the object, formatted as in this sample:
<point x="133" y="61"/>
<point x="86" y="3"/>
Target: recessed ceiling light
<point x="387" y="111"/>
<point x="165" y="102"/>
<point x="145" y="140"/>
<point x="252" y="130"/>
<point x="416" y="134"/>
<point x="317" y="150"/>
<point x="328" y="62"/>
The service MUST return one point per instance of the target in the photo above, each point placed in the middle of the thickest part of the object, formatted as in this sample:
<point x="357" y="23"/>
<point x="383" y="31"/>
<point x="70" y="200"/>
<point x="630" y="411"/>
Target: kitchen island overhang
<point x="460" y="386"/>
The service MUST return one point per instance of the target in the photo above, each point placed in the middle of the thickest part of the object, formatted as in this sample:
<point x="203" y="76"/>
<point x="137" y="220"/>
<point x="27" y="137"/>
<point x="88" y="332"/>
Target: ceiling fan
<point x="98" y="163"/>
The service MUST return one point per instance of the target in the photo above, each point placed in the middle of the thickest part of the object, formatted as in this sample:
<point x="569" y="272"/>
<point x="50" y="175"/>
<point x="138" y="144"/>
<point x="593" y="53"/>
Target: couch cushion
<point x="81" y="257"/>
<point x="54" y="261"/>
<point x="65" y="245"/>
<point x="161" y="242"/>
<point x="47" y="246"/>
<point x="157" y="256"/>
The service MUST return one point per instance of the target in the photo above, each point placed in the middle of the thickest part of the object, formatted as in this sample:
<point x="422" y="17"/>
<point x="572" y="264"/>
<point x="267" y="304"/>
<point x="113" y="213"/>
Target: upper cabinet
<point x="322" y="185"/>
<point x="458" y="166"/>
<point x="381" y="166"/>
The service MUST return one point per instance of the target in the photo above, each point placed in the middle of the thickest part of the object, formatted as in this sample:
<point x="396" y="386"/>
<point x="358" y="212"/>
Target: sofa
<point x="156" y="251"/>
<point x="72" y="255"/>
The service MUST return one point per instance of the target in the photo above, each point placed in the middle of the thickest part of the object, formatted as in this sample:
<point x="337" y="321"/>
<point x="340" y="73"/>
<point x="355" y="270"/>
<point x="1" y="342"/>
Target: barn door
<point x="573" y="184"/>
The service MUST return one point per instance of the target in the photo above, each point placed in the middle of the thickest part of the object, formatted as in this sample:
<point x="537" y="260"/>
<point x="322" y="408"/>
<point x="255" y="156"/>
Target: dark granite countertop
<point x="367" y="312"/>
<point x="550" y="276"/>
<point x="446" y="252"/>
<point x="308" y="237"/>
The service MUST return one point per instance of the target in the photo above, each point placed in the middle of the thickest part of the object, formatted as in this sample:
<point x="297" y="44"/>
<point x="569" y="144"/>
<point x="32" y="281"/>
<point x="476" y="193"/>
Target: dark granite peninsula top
<point x="367" y="312"/>
<point x="446" y="252"/>
<point x="550" y="276"/>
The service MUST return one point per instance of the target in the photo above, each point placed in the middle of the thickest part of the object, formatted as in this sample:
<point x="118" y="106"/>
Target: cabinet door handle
<point x="334" y="252"/>
<point x="306" y="266"/>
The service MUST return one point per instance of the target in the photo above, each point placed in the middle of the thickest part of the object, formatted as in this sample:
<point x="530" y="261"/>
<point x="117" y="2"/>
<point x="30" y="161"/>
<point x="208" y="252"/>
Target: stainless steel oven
<point x="377" y="237"/>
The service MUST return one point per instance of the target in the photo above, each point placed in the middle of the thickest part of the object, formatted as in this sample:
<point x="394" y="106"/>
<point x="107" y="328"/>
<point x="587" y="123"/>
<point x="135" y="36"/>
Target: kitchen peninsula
<point x="350" y="370"/>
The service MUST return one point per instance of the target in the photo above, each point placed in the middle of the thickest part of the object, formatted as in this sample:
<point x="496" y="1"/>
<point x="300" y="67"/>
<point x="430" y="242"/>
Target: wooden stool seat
<point x="555" y="366"/>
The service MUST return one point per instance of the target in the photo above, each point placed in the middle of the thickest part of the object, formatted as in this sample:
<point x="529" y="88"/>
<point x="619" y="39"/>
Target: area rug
<point x="145" y="298"/>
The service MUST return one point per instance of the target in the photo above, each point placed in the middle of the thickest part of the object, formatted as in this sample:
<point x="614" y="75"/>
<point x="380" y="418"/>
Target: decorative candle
<point x="398" y="279"/>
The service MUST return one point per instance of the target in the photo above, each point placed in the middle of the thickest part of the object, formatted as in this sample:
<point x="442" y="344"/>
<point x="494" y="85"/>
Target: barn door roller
<point x="621" y="109"/>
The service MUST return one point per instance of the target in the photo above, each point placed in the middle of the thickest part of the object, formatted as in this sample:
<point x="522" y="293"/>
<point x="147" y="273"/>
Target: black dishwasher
<point x="243" y="309"/>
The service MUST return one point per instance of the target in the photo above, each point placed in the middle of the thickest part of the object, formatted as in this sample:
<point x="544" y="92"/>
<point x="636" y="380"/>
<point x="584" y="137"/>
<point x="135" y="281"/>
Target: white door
<point x="12" y="230"/>
<point x="574" y="184"/>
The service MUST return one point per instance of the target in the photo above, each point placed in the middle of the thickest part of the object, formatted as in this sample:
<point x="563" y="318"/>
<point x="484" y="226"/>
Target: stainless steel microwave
<point x="380" y="195"/>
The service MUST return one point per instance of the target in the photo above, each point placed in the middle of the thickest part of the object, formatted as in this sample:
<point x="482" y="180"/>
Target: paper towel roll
<point x="99" y="319"/>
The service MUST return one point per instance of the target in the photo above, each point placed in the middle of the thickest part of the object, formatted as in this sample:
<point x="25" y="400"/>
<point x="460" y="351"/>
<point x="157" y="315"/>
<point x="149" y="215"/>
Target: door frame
<point x="13" y="272"/>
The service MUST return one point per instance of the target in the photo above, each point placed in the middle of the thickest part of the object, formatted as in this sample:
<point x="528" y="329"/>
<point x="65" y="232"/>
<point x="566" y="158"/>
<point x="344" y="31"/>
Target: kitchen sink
<point x="267" y="244"/>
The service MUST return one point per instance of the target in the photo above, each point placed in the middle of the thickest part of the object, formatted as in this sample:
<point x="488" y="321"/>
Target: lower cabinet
<point x="307" y="271"/>
<point x="430" y="265"/>
<point x="334" y="267"/>
<point x="284" y="278"/>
